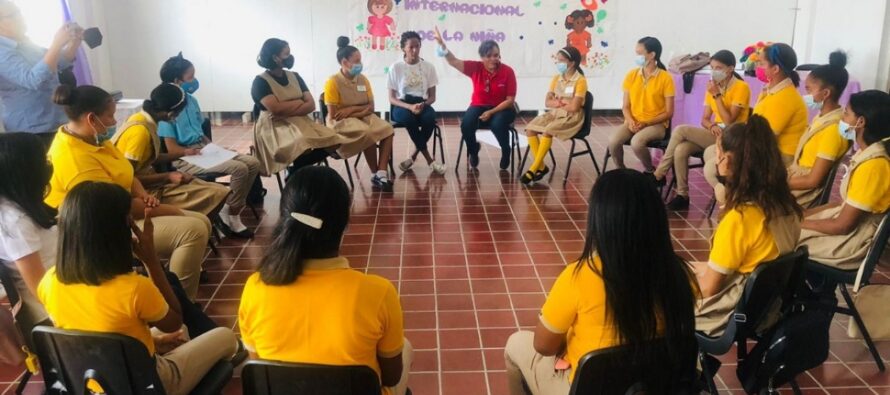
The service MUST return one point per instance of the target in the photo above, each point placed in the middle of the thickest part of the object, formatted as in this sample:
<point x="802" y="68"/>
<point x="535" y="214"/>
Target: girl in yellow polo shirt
<point x="565" y="114"/>
<point x="628" y="276"/>
<point x="138" y="140"/>
<point x="81" y="152"/>
<point x="761" y="220"/>
<point x="839" y="234"/>
<point x="726" y="102"/>
<point x="350" y="104"/>
<point x="822" y="146"/>
<point x="648" y="105"/>
<point x="304" y="303"/>
<point x="780" y="102"/>
<point x="93" y="286"/>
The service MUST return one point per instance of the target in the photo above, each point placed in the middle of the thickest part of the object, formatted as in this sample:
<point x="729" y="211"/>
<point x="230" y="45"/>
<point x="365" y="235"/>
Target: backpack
<point x="796" y="343"/>
<point x="689" y="63"/>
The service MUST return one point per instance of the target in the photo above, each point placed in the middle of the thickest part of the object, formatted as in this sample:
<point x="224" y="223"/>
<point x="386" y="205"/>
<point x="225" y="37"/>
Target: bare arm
<point x="452" y="60"/>
<point x="548" y="343"/>
<point x="394" y="100"/>
<point x="431" y="96"/>
<point x="625" y="110"/>
<point x="844" y="223"/>
<point x="710" y="281"/>
<point x="145" y="250"/>
<point x="390" y="370"/>
<point x="31" y="269"/>
<point x="814" y="179"/>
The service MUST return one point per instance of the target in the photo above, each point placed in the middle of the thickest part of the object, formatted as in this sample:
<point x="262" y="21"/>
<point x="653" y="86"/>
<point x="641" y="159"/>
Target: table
<point x="688" y="108"/>
<point x="126" y="108"/>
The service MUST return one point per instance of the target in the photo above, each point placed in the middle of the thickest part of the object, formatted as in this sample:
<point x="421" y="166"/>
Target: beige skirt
<point x="198" y="196"/>
<point x="279" y="142"/>
<point x="362" y="133"/>
<point x="558" y="123"/>
<point x="804" y="197"/>
<point x="844" y="252"/>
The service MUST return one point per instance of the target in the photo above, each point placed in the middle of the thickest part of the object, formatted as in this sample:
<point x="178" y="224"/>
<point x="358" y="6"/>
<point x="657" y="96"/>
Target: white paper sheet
<point x="211" y="156"/>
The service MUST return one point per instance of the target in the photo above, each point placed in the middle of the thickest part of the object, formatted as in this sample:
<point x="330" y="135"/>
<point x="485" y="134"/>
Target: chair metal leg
<point x="26" y="377"/>
<point x="460" y="151"/>
<point x="794" y="387"/>
<point x="707" y="374"/>
<point x="552" y="158"/>
<point x="712" y="205"/>
<point x="569" y="162"/>
<point x="256" y="215"/>
<point x="606" y="160"/>
<point x="349" y="173"/>
<point x="357" y="160"/>
<point x="596" y="166"/>
<point x="859" y="323"/>
<point x="280" y="184"/>
<point x="524" y="158"/>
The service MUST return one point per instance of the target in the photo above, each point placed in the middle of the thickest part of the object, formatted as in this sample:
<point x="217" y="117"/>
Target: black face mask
<point x="288" y="62"/>
<point x="720" y="178"/>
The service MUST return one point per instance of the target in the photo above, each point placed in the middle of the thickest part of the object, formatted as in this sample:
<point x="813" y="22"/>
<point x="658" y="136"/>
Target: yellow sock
<point x="533" y="145"/>
<point x="543" y="149"/>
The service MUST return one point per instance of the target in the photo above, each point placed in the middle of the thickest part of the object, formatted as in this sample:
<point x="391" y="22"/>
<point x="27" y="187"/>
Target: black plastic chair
<point x="613" y="371"/>
<point x="657" y="144"/>
<point x="857" y="278"/>
<point x="580" y="136"/>
<point x="513" y="135"/>
<point x="827" y="184"/>
<point x="673" y="183"/>
<point x="772" y="283"/>
<point x="24" y="329"/>
<point x="279" y="378"/>
<point x="119" y="364"/>
<point x="437" y="136"/>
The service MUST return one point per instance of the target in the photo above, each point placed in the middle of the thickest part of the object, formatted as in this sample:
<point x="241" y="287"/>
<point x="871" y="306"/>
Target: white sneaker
<point x="233" y="222"/>
<point x="438" y="168"/>
<point x="406" y="165"/>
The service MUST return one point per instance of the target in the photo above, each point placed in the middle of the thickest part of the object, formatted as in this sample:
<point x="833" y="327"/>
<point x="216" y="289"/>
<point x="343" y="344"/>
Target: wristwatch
<point x="718" y="95"/>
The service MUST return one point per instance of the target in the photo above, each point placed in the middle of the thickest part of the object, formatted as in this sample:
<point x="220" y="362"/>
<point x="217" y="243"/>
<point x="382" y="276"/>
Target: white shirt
<point x="20" y="236"/>
<point x="412" y="79"/>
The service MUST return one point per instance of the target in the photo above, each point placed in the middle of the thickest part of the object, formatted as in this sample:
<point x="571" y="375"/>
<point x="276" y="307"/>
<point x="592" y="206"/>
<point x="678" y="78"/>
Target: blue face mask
<point x="640" y="60"/>
<point x="562" y="68"/>
<point x="356" y="69"/>
<point x="441" y="52"/>
<point x="811" y="102"/>
<point x="846" y="131"/>
<point x="191" y="86"/>
<point x="105" y="136"/>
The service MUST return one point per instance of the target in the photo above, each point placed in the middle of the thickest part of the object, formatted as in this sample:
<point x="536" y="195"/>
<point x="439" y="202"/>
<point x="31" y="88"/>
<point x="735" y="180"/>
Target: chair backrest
<point x="588" y="117"/>
<point x="771" y="285"/>
<point x="119" y="364"/>
<point x="614" y="371"/>
<point x="323" y="108"/>
<point x="826" y="186"/>
<point x="875" y="250"/>
<point x="280" y="378"/>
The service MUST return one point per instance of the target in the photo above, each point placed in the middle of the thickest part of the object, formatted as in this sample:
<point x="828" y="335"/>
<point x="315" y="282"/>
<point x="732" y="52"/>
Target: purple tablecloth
<point x="688" y="108"/>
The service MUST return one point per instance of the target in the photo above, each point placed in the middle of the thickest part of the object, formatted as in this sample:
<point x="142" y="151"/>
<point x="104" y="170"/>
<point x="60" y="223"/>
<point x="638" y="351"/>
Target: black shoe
<point x="384" y="184"/>
<point x="678" y="203"/>
<point x="539" y="175"/>
<point x="527" y="178"/>
<point x="505" y="160"/>
<point x="474" y="154"/>
<point x="658" y="183"/>
<point x="231" y="234"/>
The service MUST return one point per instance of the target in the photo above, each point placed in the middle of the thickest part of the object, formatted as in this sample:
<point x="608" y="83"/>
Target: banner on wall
<point x="529" y="32"/>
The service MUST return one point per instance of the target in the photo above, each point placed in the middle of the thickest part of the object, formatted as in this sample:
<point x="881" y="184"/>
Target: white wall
<point x="222" y="38"/>
<point x="858" y="27"/>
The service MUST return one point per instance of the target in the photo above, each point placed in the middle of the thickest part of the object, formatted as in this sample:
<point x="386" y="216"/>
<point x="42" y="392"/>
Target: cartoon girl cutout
<point x="578" y="22"/>
<point x="380" y="24"/>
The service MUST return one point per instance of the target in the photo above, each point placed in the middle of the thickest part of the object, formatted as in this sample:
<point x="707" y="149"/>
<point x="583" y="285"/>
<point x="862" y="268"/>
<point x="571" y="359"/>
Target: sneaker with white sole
<point x="438" y="168"/>
<point x="406" y="165"/>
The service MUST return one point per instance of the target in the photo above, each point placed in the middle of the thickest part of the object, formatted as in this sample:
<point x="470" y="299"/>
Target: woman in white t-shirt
<point x="412" y="92"/>
<point x="27" y="226"/>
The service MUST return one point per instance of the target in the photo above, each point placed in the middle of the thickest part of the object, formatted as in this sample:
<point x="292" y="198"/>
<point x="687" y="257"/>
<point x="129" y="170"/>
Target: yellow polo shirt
<point x="75" y="161"/>
<point x="648" y="96"/>
<point x="784" y="109"/>
<point x="869" y="187"/>
<point x="580" y="87"/>
<point x="330" y="315"/>
<point x="135" y="141"/>
<point x="124" y="305"/>
<point x="826" y="144"/>
<point x="742" y="241"/>
<point x="332" y="89"/>
<point x="737" y="94"/>
<point x="576" y="307"/>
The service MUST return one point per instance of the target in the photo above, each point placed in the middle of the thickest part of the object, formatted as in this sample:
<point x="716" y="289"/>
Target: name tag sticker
<point x="570" y="90"/>
<point x="362" y="88"/>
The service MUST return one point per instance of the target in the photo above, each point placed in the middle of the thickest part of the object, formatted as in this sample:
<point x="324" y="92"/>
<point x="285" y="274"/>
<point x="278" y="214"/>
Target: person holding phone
<point x="492" y="103"/>
<point x="29" y="74"/>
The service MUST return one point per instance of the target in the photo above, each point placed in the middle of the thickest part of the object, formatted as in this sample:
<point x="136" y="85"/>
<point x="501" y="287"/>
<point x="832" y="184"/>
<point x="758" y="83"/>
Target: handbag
<point x="689" y="63"/>
<point x="871" y="302"/>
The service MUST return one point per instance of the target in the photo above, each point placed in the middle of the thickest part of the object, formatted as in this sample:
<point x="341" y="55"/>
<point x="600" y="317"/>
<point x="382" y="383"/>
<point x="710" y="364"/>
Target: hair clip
<point x="307" y="220"/>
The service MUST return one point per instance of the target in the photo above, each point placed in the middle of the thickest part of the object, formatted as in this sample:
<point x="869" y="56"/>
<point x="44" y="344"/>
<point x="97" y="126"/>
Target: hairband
<point x="308" y="220"/>
<point x="182" y="98"/>
<point x="774" y="54"/>
<point x="566" y="53"/>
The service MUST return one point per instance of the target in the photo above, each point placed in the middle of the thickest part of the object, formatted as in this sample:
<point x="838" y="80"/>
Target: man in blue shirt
<point x="29" y="74"/>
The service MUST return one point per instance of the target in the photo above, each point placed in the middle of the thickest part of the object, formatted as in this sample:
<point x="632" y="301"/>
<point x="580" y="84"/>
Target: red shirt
<point x="499" y="85"/>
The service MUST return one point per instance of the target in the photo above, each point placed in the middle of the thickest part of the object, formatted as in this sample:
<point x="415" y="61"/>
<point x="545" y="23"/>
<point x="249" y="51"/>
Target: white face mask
<point x="718" y="75"/>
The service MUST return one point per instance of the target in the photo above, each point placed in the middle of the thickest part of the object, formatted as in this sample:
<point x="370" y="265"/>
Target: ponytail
<point x="783" y="55"/>
<point x="651" y="44"/>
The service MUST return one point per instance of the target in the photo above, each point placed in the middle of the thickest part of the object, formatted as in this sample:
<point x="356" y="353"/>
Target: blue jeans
<point x="499" y="124"/>
<point x="420" y="126"/>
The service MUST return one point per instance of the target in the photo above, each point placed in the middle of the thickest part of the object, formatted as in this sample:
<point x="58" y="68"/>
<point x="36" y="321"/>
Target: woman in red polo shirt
<point x="494" y="91"/>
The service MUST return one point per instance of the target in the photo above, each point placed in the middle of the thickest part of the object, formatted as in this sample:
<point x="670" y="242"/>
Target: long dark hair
<point x="874" y="106"/>
<point x="26" y="175"/>
<point x="833" y="75"/>
<point x="651" y="44"/>
<point x="758" y="174"/>
<point x="318" y="192"/>
<point x="94" y="234"/>
<point x="783" y="55"/>
<point x="726" y="57"/>
<point x="574" y="56"/>
<point x="169" y="98"/>
<point x="647" y="283"/>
